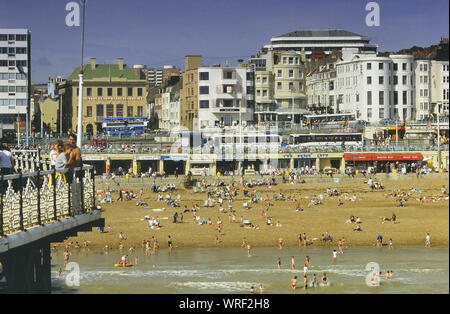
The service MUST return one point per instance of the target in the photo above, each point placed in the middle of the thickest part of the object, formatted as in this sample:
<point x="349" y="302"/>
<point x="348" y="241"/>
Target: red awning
<point x="382" y="156"/>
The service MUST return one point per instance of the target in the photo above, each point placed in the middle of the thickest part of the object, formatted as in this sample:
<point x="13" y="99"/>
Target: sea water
<point x="231" y="270"/>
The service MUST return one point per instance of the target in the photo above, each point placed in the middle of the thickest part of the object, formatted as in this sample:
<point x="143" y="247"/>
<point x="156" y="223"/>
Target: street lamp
<point x="80" y="86"/>
<point x="293" y="104"/>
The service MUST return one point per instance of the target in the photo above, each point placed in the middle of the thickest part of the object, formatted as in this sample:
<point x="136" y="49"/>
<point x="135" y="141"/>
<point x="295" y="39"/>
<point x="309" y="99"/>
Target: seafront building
<point x="189" y="92"/>
<point x="324" y="40"/>
<point x="15" y="79"/>
<point x="110" y="90"/>
<point x="280" y="88"/>
<point x="225" y="96"/>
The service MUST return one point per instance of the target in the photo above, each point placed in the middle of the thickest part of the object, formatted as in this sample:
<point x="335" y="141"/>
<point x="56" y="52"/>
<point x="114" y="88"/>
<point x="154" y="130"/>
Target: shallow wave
<point x="231" y="286"/>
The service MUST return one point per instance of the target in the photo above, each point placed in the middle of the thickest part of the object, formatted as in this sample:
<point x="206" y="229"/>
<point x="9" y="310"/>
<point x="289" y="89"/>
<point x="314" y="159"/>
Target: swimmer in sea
<point x="391" y="274"/>
<point x="314" y="281"/>
<point x="308" y="261"/>
<point x="170" y="244"/>
<point x="261" y="288"/>
<point x="294" y="284"/>
<point x="387" y="275"/>
<point x="279" y="263"/>
<point x="59" y="272"/>
<point x="252" y="290"/>
<point x="324" y="279"/>
<point x="248" y="249"/>
<point x="136" y="259"/>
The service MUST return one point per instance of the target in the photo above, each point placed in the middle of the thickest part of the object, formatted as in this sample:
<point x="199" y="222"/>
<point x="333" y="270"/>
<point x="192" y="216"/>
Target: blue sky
<point x="162" y="32"/>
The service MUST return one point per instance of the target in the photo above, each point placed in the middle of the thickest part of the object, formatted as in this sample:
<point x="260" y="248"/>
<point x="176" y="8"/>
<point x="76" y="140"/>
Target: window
<point x="381" y="113"/>
<point x="369" y="66"/>
<point x="140" y="111"/>
<point x="380" y="66"/>
<point x="21" y="37"/>
<point x="381" y="98"/>
<point x="100" y="92"/>
<point x="395" y="66"/>
<point x="203" y="76"/>
<point x="109" y="90"/>
<point x="369" y="98"/>
<point x="3" y="37"/>
<point x="204" y="90"/>
<point x="425" y="67"/>
<point x="129" y="111"/>
<point x="381" y="80"/>
<point x="291" y="73"/>
<point x="258" y="92"/>
<point x="405" y="97"/>
<point x="404" y="80"/>
<point x="119" y="91"/>
<point x="110" y="110"/>
<point x="250" y="90"/>
<point x="130" y="91"/>
<point x="291" y="60"/>
<point x="264" y="92"/>
<point x="11" y="37"/>
<point x="357" y="97"/>
<point x="369" y="113"/>
<point x="291" y="86"/>
<point x="369" y="80"/>
<point x="279" y="86"/>
<point x="21" y="50"/>
<point x="100" y="110"/>
<point x="3" y="63"/>
<point x="280" y="73"/>
<point x="89" y="92"/>
<point x="284" y="60"/>
<point x="119" y="110"/>
<point x="204" y="104"/>
<point x="139" y="92"/>
<point x="89" y="111"/>
<point x="395" y="80"/>
<point x="404" y="65"/>
<point x="21" y="63"/>
<point x="264" y="80"/>
<point x="250" y="76"/>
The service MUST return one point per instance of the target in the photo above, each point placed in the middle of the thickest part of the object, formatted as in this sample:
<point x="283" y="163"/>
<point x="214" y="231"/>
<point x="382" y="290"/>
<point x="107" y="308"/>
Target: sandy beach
<point x="414" y="220"/>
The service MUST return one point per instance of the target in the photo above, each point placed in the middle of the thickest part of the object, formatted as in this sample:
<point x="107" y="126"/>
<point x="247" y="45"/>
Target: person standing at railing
<point x="61" y="162"/>
<point x="6" y="164"/>
<point x="6" y="160"/>
<point x="74" y="157"/>
<point x="54" y="153"/>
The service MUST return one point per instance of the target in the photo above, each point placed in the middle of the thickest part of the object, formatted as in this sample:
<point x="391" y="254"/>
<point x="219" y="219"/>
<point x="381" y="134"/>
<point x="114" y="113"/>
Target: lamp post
<point x="80" y="86"/>
<point x="293" y="104"/>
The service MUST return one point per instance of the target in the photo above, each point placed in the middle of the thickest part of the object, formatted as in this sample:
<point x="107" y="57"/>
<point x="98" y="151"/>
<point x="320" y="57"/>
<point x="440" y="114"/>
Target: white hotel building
<point x="14" y="76"/>
<point x="326" y="40"/>
<point x="225" y="96"/>
<point x="374" y="87"/>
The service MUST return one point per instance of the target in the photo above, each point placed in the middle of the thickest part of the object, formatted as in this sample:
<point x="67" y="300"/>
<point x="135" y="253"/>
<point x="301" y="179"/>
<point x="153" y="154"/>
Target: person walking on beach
<point x="340" y="245"/>
<point x="292" y="262"/>
<point x="391" y="244"/>
<point x="428" y="241"/>
<point x="170" y="244"/>
<point x="334" y="256"/>
<point x="248" y="250"/>
<point x="280" y="243"/>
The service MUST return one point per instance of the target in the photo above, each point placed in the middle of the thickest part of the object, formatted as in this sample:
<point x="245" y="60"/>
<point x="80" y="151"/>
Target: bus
<point x="338" y="119"/>
<point x="125" y="125"/>
<point x="326" y="139"/>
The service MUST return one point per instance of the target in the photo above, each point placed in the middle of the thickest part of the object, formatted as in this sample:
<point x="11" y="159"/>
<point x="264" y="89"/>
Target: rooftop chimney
<point x="93" y="62"/>
<point x="120" y="63"/>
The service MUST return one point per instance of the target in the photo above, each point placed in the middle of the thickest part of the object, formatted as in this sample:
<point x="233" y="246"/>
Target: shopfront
<point x="382" y="162"/>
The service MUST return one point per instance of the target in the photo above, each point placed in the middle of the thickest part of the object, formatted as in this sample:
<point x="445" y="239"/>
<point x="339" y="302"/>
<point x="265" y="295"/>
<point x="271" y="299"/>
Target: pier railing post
<point x="55" y="214"/>
<point x="1" y="205"/>
<point x="21" y="201"/>
<point x="38" y="186"/>
<point x="80" y="176"/>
